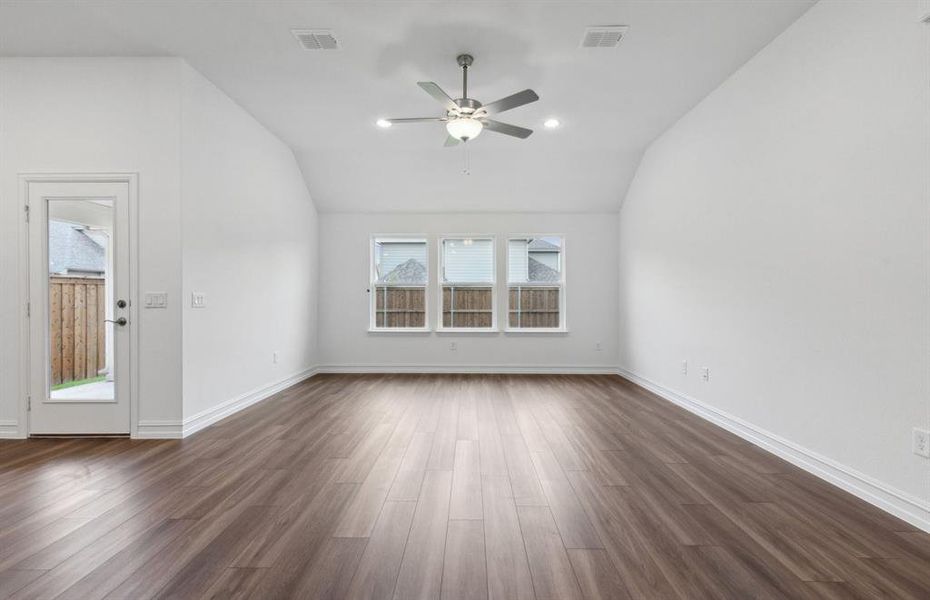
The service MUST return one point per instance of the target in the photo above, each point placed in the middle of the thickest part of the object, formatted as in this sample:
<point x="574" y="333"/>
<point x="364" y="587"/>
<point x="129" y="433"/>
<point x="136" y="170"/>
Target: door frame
<point x="131" y="180"/>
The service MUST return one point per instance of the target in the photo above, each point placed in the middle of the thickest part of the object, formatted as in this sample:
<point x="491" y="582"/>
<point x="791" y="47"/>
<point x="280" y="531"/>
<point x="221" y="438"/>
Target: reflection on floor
<point x="512" y="487"/>
<point x="98" y="390"/>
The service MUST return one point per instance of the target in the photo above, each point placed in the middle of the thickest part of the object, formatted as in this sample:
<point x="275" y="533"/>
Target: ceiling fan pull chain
<point x="466" y="169"/>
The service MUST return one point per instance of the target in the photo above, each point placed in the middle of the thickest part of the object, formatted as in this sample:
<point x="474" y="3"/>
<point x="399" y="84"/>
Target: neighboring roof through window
<point x="74" y="249"/>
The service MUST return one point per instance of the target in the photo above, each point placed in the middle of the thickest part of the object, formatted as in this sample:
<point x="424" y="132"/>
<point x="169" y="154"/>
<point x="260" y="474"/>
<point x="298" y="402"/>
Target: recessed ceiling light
<point x="383" y="123"/>
<point x="551" y="123"/>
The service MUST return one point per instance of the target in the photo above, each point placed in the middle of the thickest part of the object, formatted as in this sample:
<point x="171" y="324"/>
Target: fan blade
<point x="416" y="120"/>
<point x="513" y="101"/>
<point x="507" y="129"/>
<point x="451" y="141"/>
<point x="436" y="92"/>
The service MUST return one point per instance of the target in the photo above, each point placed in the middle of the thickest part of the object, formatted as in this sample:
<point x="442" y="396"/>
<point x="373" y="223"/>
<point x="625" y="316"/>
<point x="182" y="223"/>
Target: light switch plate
<point x="156" y="300"/>
<point x="198" y="300"/>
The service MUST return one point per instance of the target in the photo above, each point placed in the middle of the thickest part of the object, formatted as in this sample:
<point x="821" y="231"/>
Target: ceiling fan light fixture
<point x="552" y="123"/>
<point x="465" y="117"/>
<point x="464" y="128"/>
<point x="383" y="123"/>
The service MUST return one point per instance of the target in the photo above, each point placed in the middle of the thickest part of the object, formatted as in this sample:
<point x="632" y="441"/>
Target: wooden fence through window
<point x="467" y="307"/>
<point x="535" y="306"/>
<point x="400" y="306"/>
<point x="77" y="333"/>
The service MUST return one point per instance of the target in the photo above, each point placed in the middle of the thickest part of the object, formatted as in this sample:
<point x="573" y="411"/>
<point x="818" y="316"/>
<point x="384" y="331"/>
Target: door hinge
<point x="26" y="208"/>
<point x="28" y="403"/>
<point x="28" y="309"/>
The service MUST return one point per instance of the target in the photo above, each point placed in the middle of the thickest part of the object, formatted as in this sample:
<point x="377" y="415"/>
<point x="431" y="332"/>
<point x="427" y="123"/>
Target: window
<point x="399" y="277"/>
<point x="536" y="283"/>
<point x="467" y="278"/>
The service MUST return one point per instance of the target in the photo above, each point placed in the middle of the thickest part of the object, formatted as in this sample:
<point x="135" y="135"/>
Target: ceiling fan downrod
<point x="465" y="61"/>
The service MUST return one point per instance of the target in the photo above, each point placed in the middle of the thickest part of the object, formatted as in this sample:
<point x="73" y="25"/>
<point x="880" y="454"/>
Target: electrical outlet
<point x="274" y="357"/>
<point x="684" y="367"/>
<point x="705" y="374"/>
<point x="452" y="347"/>
<point x="921" y="442"/>
<point x="597" y="346"/>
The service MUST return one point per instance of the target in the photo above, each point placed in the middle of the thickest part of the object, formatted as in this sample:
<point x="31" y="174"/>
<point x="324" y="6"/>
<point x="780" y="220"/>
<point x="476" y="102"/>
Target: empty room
<point x="447" y="299"/>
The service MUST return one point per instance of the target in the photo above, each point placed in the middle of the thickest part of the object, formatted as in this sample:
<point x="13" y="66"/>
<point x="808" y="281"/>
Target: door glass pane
<point x="80" y="288"/>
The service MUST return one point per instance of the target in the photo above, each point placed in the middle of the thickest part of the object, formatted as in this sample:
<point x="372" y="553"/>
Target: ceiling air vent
<point x="603" y="37"/>
<point x="316" y="39"/>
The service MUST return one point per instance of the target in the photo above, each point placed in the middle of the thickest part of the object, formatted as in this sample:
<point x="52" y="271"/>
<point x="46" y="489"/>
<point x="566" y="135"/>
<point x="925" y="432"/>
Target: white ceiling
<point x="612" y="102"/>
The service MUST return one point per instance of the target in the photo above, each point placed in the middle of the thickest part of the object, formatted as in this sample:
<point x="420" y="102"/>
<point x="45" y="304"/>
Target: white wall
<point x="96" y="115"/>
<point x="249" y="234"/>
<point x="591" y="293"/>
<point x="778" y="235"/>
<point x="208" y="173"/>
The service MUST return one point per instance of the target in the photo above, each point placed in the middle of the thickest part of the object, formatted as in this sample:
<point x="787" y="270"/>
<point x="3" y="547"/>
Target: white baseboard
<point x="466" y="368"/>
<point x="900" y="504"/>
<point x="158" y="429"/>
<point x="213" y="414"/>
<point x="167" y="429"/>
<point x="9" y="429"/>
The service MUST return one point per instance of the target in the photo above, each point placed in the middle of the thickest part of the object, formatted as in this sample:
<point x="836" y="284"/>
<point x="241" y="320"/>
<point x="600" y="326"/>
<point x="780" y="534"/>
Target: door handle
<point x="120" y="321"/>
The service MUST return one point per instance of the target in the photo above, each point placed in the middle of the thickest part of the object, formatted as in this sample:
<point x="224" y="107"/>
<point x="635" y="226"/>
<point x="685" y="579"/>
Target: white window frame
<point x="440" y="262"/>
<point x="563" y="325"/>
<point x="373" y="283"/>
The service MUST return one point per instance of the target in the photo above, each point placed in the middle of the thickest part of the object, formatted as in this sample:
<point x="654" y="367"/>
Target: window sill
<point x="459" y="330"/>
<point x="399" y="330"/>
<point x="556" y="330"/>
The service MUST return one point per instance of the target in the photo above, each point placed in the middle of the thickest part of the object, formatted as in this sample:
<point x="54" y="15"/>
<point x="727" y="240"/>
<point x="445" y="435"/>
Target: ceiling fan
<point x="465" y="117"/>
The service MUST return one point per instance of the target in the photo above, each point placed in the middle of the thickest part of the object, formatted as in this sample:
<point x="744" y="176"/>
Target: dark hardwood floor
<point x="429" y="486"/>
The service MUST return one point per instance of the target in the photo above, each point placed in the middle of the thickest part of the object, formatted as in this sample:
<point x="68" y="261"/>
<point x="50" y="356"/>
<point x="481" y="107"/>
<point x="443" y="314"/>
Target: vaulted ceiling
<point x="612" y="102"/>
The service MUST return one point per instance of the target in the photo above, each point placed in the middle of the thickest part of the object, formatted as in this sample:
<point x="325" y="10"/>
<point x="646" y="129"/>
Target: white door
<point x="79" y="307"/>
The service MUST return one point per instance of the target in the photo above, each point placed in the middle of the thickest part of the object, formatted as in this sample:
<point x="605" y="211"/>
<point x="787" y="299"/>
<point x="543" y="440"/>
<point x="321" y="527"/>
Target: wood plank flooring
<point x="432" y="486"/>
